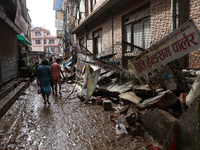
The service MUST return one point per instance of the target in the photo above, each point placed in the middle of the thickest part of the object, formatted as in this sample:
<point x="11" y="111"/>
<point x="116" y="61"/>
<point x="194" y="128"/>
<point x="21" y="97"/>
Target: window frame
<point x="50" y="41"/>
<point x="37" y="42"/>
<point x="132" y="33"/>
<point x="97" y="35"/>
<point x="37" y="33"/>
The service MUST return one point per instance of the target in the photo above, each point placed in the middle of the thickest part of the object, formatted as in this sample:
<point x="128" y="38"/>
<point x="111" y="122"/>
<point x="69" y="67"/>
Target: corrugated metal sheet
<point x="8" y="53"/>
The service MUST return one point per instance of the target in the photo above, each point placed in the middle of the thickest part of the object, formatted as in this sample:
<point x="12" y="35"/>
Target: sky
<point x="42" y="14"/>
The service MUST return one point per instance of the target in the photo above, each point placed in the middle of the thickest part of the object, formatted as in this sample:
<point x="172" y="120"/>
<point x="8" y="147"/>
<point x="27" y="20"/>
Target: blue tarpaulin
<point x="58" y="4"/>
<point x="68" y="63"/>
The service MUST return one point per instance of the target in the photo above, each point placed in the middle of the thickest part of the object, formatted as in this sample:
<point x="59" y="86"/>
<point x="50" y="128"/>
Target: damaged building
<point x="119" y="31"/>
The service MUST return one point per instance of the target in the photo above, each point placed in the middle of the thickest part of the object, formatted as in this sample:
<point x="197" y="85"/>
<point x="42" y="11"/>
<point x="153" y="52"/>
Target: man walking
<point x="56" y="70"/>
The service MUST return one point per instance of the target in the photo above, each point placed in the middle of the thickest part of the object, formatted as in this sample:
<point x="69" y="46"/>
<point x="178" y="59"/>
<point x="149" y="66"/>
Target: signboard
<point x="20" y="22"/>
<point x="60" y="15"/>
<point x="180" y="42"/>
<point x="60" y="34"/>
<point x="58" y="22"/>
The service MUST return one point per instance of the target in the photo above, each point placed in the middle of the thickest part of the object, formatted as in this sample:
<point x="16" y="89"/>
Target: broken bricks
<point x="131" y="116"/>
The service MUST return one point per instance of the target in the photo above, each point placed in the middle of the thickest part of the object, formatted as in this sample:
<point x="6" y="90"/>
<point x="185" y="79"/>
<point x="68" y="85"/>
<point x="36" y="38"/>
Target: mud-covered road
<point x="64" y="125"/>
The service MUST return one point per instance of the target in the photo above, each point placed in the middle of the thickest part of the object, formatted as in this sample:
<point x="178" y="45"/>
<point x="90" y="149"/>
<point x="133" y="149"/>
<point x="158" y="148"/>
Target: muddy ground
<point x="64" y="125"/>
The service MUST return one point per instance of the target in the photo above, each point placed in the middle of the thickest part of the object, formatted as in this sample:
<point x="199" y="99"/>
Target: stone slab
<point x="131" y="96"/>
<point x="9" y="87"/>
<point x="10" y="99"/>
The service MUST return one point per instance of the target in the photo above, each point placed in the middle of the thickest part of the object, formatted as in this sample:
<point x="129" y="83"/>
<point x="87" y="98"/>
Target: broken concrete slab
<point x="131" y="97"/>
<point x="162" y="100"/>
<point x="160" y="124"/>
<point x="106" y="75"/>
<point x="187" y="134"/>
<point x="162" y="127"/>
<point x="145" y="90"/>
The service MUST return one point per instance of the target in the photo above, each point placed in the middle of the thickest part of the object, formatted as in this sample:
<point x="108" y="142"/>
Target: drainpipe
<point x="86" y="36"/>
<point x="173" y="9"/>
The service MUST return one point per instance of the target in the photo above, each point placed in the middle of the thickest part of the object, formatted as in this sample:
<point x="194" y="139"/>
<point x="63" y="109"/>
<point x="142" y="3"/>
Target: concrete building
<point x="106" y="26"/>
<point x="43" y="41"/>
<point x="14" y="37"/>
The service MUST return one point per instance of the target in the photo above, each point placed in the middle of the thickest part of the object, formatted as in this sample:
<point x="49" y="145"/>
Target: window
<point x="81" y="42"/>
<point x="97" y="42"/>
<point x="44" y="34"/>
<point x="45" y="42"/>
<point x="37" y="34"/>
<point x="37" y="42"/>
<point x="94" y="2"/>
<point x="137" y="30"/>
<point x="82" y="9"/>
<point x="48" y="34"/>
<point x="51" y="41"/>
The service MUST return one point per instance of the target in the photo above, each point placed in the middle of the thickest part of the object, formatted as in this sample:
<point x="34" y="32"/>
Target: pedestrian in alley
<point x="51" y="80"/>
<point x="56" y="70"/>
<point x="43" y="80"/>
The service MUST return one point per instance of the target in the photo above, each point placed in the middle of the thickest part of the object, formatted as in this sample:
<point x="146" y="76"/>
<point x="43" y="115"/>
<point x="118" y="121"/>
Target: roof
<point x="101" y="11"/>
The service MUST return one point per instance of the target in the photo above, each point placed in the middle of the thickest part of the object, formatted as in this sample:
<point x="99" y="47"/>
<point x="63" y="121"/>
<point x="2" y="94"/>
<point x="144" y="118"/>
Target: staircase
<point x="10" y="92"/>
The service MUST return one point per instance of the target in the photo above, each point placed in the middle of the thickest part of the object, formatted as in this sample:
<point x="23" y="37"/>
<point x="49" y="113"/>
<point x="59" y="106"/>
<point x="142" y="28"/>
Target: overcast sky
<point x="42" y="14"/>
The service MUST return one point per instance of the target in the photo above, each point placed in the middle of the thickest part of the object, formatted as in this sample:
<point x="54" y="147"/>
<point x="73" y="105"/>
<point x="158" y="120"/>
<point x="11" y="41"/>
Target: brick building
<point x="106" y="26"/>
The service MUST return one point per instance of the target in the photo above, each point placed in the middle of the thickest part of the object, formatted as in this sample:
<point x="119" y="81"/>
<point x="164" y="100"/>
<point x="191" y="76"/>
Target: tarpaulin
<point x="58" y="4"/>
<point x="22" y="40"/>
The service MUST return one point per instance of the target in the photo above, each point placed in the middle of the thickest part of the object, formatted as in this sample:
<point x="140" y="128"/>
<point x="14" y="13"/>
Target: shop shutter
<point x="137" y="34"/>
<point x="8" y="53"/>
<point x="128" y="37"/>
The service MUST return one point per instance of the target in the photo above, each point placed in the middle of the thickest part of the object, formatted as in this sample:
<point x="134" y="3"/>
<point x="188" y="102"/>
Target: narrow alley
<point x="64" y="125"/>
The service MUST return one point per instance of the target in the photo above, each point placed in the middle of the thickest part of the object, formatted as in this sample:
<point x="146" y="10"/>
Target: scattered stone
<point x="162" y="101"/>
<point x="131" y="116"/>
<point x="99" y="100"/>
<point x="121" y="119"/>
<point x="125" y="109"/>
<point x="23" y="93"/>
<point x="120" y="129"/>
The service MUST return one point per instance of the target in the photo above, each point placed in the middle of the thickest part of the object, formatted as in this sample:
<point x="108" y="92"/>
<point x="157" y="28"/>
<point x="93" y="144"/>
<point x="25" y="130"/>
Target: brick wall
<point x="117" y="17"/>
<point x="101" y="25"/>
<point x="194" y="57"/>
<point x="160" y="14"/>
